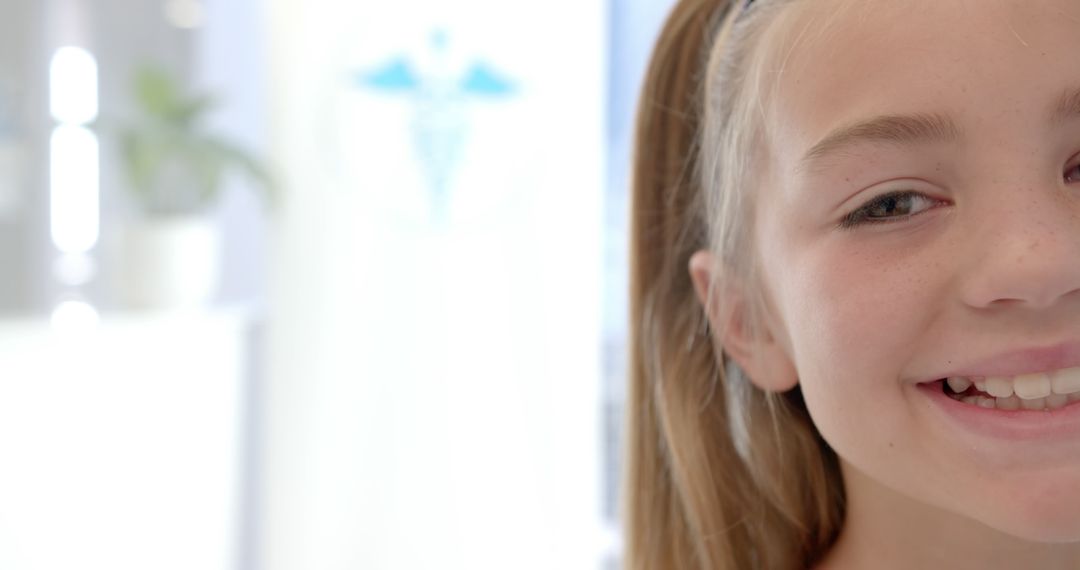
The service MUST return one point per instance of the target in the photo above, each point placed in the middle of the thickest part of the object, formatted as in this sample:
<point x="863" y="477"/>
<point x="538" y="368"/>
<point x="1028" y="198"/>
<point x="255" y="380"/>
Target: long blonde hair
<point x="720" y="474"/>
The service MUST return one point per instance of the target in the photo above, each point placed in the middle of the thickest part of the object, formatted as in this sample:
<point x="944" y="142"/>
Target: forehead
<point x="983" y="63"/>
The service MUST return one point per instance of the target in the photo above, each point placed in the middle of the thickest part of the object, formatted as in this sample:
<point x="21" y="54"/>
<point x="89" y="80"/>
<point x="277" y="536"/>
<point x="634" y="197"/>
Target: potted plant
<point x="170" y="256"/>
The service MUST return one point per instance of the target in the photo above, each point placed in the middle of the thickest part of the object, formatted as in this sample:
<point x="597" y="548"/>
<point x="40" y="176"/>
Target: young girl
<point x="856" y="287"/>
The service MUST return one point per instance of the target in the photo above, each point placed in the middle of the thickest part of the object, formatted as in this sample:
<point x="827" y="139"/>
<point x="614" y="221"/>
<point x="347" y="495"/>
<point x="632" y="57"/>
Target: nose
<point x="1026" y="253"/>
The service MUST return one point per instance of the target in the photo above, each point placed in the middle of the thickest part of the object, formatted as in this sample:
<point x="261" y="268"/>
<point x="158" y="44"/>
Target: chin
<point x="1046" y="512"/>
<point x="1047" y="530"/>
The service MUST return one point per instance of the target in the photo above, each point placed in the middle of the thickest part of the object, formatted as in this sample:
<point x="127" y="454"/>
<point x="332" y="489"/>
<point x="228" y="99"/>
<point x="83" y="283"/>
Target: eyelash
<point x="861" y="215"/>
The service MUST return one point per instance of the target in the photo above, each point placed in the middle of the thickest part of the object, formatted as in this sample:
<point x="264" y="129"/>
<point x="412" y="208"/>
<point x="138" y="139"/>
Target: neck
<point x="884" y="529"/>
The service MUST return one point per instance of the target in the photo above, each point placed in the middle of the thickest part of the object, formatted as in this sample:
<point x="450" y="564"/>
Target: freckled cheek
<point x="853" y="320"/>
<point x="852" y="327"/>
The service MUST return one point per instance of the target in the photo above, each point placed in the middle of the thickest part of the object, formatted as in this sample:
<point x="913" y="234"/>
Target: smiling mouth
<point x="1043" y="391"/>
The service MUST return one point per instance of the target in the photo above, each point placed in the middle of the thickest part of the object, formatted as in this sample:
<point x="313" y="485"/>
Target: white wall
<point x="433" y="399"/>
<point x="230" y="60"/>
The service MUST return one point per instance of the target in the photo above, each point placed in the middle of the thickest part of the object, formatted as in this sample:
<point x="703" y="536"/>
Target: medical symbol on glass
<point x="441" y="100"/>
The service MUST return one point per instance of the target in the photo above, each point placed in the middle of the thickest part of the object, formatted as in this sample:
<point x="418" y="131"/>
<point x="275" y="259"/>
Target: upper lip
<point x="1017" y="362"/>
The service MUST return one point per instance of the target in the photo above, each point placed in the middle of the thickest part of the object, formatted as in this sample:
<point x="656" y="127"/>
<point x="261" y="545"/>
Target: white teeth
<point x="1055" y="401"/>
<point x="1066" y="381"/>
<point x="1032" y="386"/>
<point x="1033" y="404"/>
<point x="960" y="385"/>
<point x="999" y="387"/>
<point x="1038" y="391"/>
<point x="1010" y="403"/>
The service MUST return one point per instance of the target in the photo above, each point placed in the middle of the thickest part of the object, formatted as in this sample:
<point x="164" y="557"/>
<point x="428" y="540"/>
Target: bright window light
<point x="74" y="192"/>
<point x="73" y="86"/>
<point x="74" y="316"/>
<point x="74" y="269"/>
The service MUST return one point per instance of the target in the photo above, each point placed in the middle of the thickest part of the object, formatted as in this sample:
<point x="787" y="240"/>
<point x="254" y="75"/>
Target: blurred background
<point x="333" y="284"/>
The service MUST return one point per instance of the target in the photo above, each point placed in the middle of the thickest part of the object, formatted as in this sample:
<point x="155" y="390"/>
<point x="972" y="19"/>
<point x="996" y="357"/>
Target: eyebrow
<point x="915" y="129"/>
<point x="891" y="129"/>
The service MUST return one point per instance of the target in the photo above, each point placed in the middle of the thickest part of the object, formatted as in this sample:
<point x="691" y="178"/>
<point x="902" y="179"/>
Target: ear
<point x="765" y="361"/>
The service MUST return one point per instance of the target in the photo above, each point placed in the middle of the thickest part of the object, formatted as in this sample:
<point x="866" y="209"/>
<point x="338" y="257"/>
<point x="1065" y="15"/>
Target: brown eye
<point x="1073" y="174"/>
<point x="889" y="207"/>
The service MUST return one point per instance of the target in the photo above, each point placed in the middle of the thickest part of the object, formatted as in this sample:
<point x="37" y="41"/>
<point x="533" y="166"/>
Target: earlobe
<point x="753" y="346"/>
<point x="769" y="367"/>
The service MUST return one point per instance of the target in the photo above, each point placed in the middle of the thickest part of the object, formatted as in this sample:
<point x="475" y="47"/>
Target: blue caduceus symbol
<point x="440" y="120"/>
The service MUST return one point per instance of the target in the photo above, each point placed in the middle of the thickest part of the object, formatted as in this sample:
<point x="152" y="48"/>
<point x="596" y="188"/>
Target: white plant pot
<point x="172" y="263"/>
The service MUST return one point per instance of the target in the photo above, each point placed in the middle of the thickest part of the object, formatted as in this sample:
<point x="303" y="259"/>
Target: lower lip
<point x="1016" y="425"/>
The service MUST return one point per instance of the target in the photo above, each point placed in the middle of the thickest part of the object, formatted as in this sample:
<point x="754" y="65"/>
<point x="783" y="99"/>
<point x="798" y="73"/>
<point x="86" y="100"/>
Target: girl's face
<point x="921" y="222"/>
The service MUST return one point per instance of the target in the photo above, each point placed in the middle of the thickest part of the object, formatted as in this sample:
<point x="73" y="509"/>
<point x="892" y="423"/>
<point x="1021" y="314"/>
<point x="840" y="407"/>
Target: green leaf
<point x="173" y="165"/>
<point x="156" y="91"/>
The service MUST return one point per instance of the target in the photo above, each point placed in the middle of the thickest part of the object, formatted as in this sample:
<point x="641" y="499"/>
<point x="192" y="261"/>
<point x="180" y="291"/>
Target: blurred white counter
<point x="121" y="442"/>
